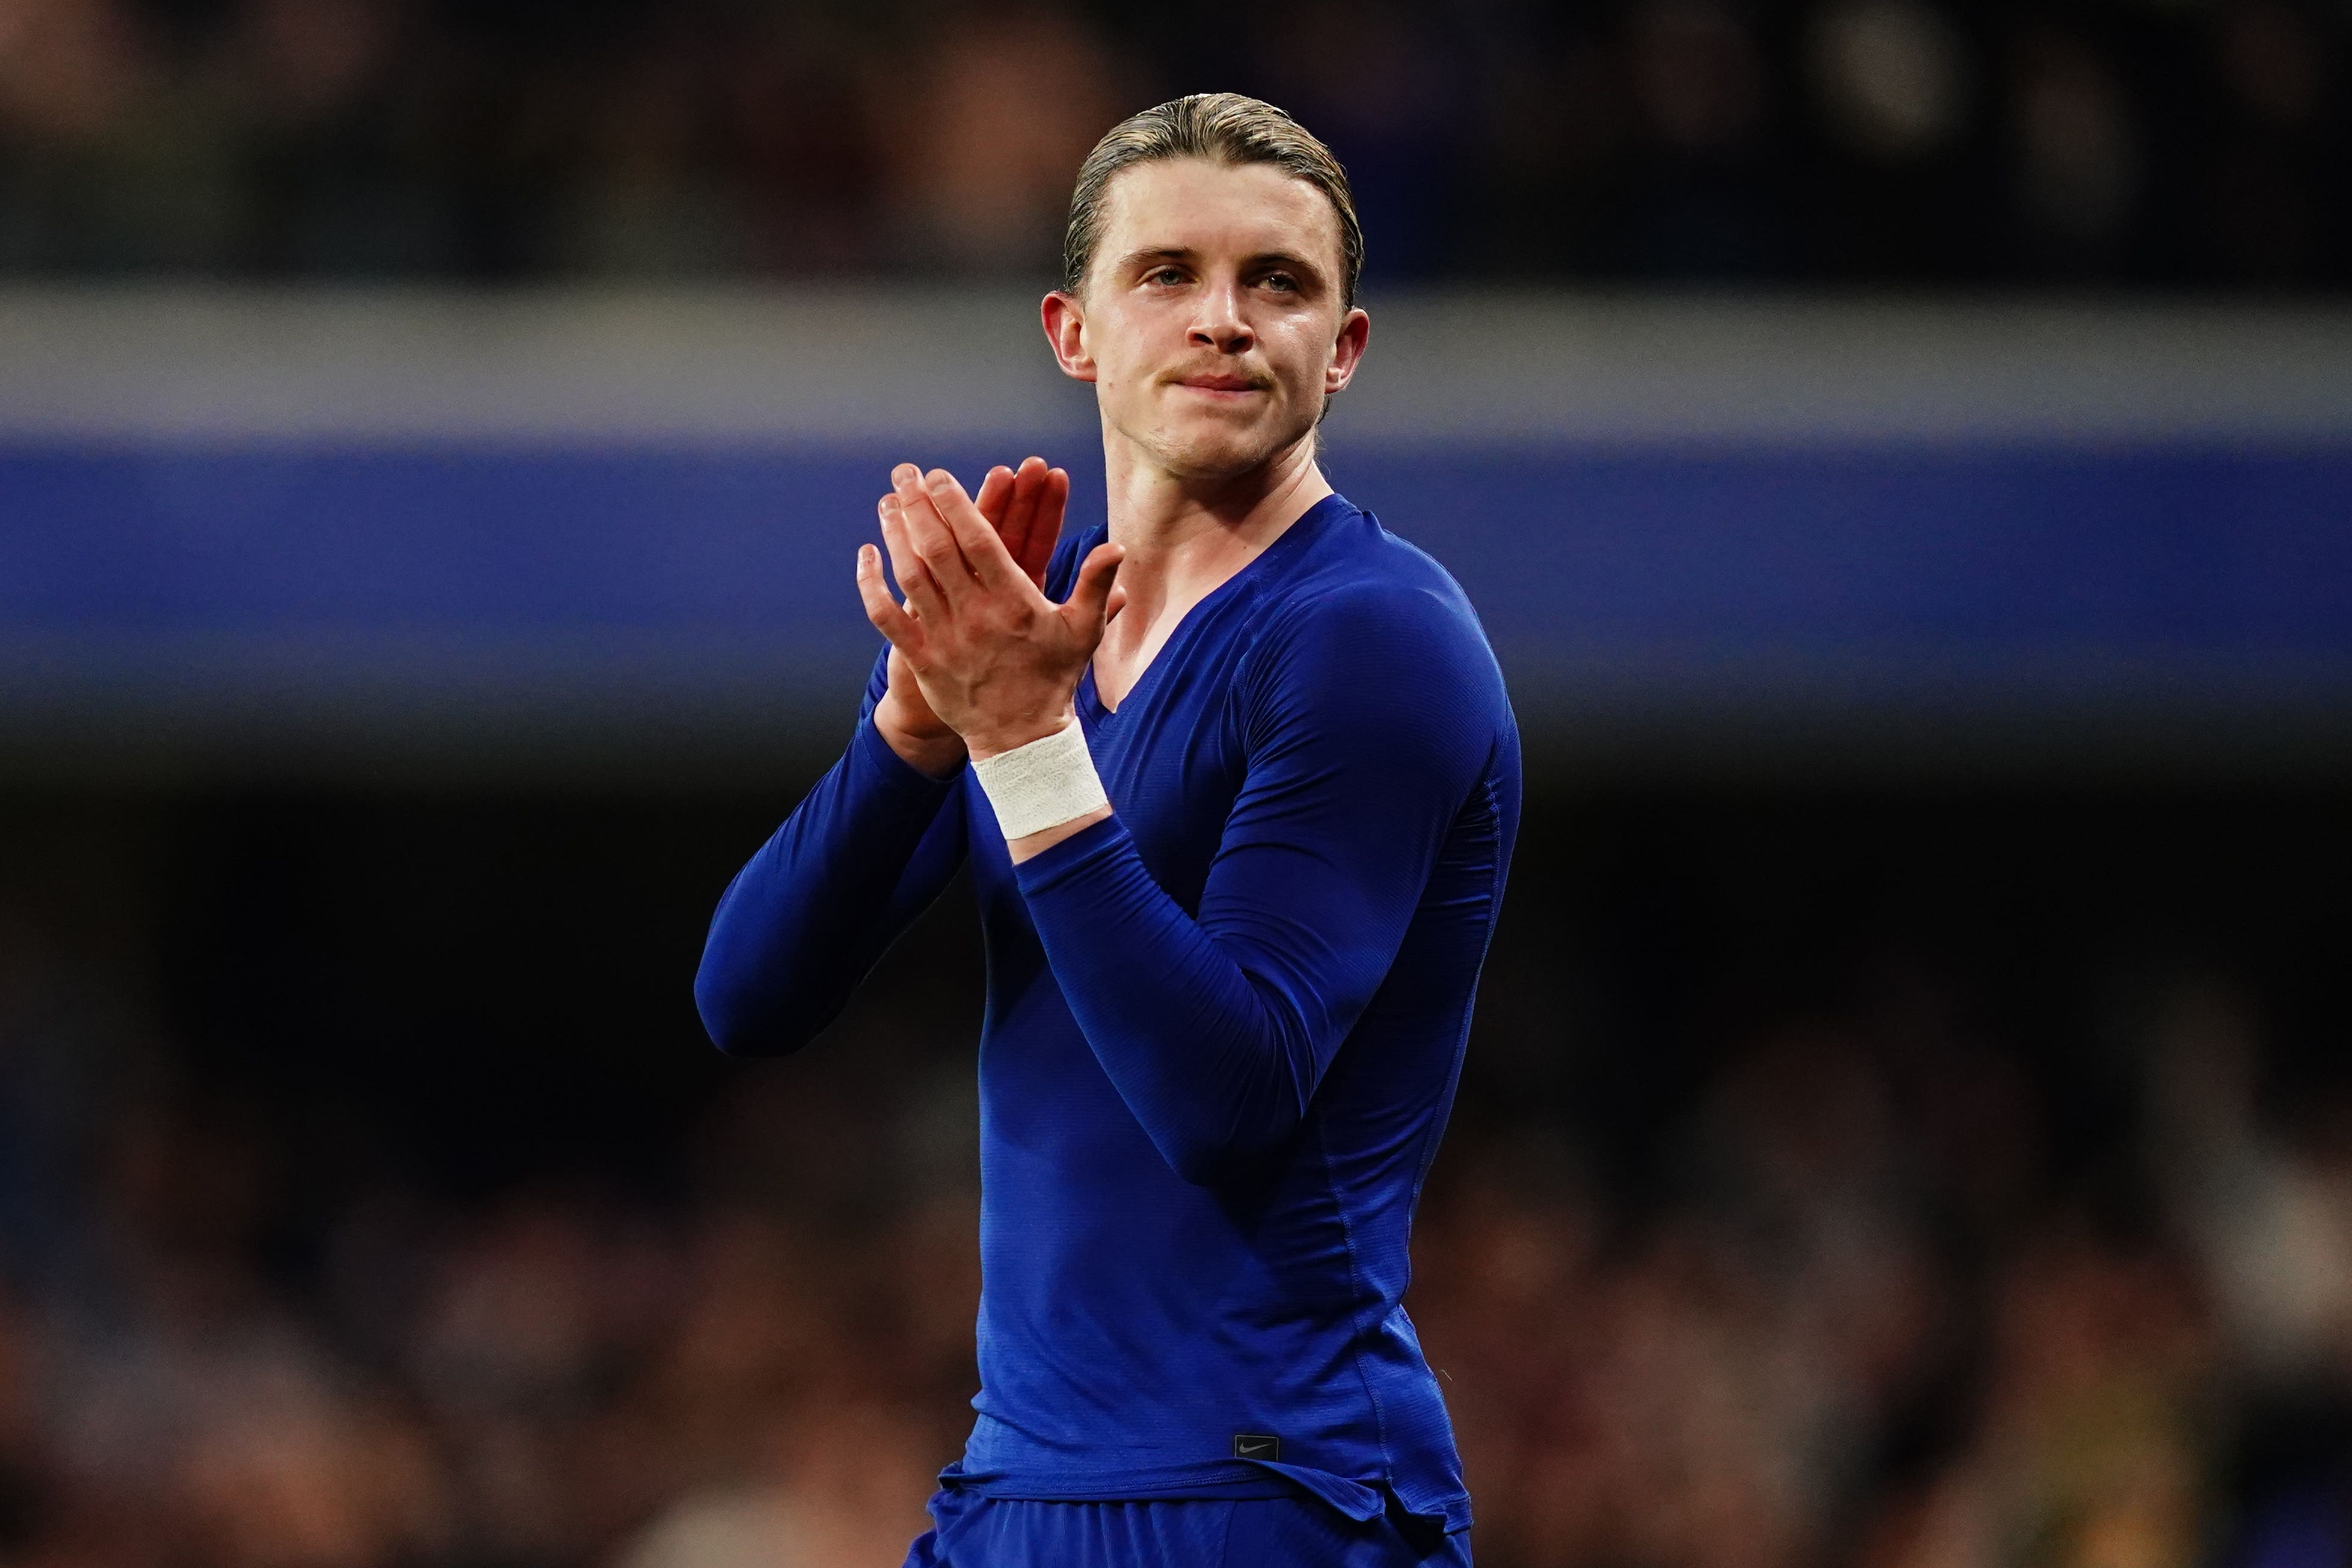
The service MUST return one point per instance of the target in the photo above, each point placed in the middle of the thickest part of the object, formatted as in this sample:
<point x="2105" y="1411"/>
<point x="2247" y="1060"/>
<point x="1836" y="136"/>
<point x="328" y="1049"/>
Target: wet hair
<point x="1225" y="127"/>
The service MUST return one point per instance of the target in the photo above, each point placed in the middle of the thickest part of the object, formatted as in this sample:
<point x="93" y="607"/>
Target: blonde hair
<point x="1229" y="129"/>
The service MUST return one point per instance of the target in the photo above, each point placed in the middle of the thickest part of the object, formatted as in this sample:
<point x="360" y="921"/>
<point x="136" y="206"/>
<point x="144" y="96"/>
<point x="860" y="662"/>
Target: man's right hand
<point x="1024" y="507"/>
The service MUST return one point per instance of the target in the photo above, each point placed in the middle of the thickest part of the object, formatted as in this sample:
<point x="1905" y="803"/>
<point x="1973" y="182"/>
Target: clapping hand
<point x="988" y="662"/>
<point x="1019" y="518"/>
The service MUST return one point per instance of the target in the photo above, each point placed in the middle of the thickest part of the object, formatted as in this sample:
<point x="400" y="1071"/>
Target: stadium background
<point x="1902" y="452"/>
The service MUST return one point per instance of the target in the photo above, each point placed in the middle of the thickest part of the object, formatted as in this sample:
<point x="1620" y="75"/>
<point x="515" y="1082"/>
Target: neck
<point x="1181" y="531"/>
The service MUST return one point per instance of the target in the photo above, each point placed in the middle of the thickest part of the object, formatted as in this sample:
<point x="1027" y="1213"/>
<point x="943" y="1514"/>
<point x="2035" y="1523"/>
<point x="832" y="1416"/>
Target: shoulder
<point x="1368" y="598"/>
<point x="1372" y="631"/>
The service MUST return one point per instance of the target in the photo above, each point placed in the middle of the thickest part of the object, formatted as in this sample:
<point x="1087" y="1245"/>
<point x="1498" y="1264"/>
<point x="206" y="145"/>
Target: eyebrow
<point x="1135" y="259"/>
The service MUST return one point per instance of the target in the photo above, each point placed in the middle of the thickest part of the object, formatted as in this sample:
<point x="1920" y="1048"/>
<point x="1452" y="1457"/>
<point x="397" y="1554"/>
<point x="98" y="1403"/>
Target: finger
<point x="1088" y="606"/>
<point x="903" y="563"/>
<point x="1020" y="515"/>
<point x="928" y="534"/>
<point x="1046" y="527"/>
<point x="974" y="538"/>
<point x="1115" y="604"/>
<point x="914" y="578"/>
<point x="995" y="496"/>
<point x="882" y="609"/>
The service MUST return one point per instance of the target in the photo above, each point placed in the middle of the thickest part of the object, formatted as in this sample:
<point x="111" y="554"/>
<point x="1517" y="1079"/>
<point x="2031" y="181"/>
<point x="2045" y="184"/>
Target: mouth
<point x="1222" y="387"/>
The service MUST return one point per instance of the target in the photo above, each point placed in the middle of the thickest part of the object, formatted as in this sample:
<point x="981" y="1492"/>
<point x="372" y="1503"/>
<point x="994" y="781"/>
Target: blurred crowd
<point x="1889" y="1297"/>
<point x="2165" y="144"/>
<point x="1887" y="1312"/>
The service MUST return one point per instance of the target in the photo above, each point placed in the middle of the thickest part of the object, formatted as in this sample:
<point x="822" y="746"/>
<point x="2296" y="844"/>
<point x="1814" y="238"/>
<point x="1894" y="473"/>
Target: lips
<point x="1219" y="384"/>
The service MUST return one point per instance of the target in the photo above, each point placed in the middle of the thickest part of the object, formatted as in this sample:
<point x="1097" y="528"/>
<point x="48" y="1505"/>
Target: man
<point x="1238" y="782"/>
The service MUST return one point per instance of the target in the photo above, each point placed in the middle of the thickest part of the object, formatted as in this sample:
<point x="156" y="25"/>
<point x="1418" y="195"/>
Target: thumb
<point x="1089" y="605"/>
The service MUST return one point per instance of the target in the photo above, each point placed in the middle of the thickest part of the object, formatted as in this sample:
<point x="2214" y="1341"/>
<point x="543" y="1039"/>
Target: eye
<point x="1282" y="282"/>
<point x="1164" y="275"/>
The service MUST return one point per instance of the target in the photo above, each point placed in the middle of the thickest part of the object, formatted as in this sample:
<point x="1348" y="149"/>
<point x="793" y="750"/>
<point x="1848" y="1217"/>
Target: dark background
<point x="499" y="983"/>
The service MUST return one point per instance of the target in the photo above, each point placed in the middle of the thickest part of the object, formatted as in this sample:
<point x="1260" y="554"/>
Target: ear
<point x="1347" y="351"/>
<point x="1066" y="329"/>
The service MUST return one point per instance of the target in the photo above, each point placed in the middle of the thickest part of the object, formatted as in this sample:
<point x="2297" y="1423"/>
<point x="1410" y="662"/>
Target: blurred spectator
<point x="2079" y="161"/>
<point x="1892" y="78"/>
<point x="2272" y="173"/>
<point x="1702" y="191"/>
<point x="984" y="122"/>
<point x="1832" y="141"/>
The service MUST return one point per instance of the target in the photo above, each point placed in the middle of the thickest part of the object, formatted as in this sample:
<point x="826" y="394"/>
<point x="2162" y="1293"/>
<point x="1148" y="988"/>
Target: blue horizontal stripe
<point x="1880" y="560"/>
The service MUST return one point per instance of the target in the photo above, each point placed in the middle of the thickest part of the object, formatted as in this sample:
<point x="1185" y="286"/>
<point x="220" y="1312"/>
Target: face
<point x="1212" y="322"/>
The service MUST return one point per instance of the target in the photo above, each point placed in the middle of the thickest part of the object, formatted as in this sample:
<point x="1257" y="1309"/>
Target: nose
<point x="1219" y="323"/>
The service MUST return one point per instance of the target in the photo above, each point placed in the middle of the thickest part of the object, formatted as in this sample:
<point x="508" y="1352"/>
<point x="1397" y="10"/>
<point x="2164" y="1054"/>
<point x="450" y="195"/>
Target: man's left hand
<point x="998" y="662"/>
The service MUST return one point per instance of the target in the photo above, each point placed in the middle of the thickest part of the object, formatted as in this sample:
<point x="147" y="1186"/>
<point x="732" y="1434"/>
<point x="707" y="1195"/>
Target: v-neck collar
<point x="1308" y="522"/>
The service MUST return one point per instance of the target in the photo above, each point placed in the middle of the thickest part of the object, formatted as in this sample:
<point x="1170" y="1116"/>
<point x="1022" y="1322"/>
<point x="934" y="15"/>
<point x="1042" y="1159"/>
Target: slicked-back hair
<point x="1226" y="128"/>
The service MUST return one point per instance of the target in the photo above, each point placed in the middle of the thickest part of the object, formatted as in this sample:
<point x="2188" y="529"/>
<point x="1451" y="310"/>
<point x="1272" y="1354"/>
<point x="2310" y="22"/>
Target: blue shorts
<point x="972" y="1531"/>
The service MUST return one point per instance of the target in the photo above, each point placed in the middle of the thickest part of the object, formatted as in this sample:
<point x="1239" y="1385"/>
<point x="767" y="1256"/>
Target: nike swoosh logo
<point x="1249" y="1449"/>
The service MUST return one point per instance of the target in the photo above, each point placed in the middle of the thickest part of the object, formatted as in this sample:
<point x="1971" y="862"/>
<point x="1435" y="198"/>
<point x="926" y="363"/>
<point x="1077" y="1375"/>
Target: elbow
<point x="1204" y="1164"/>
<point x="724" y="1021"/>
<point x="1221" y="1139"/>
<point x="1220" y="1159"/>
<point x="737" y="1022"/>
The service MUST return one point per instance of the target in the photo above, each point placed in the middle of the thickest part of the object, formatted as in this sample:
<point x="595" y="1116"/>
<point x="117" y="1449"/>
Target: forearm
<point x="1217" y="1062"/>
<point x="805" y="920"/>
<point x="930" y="749"/>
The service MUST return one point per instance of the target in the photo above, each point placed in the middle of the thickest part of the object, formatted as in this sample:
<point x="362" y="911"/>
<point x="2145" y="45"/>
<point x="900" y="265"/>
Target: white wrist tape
<point x="1044" y="784"/>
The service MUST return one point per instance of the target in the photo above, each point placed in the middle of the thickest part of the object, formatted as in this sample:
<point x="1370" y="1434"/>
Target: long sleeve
<point x="863" y="854"/>
<point x="1370" y="723"/>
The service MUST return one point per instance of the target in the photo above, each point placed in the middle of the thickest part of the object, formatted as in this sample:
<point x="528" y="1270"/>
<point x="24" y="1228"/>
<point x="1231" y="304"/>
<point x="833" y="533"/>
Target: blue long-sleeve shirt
<point x="1223" y="1030"/>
